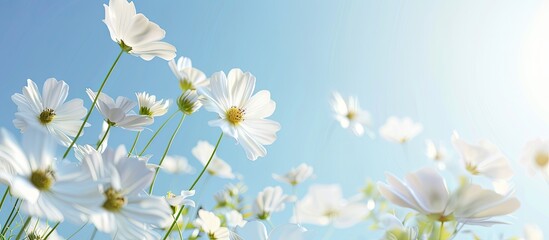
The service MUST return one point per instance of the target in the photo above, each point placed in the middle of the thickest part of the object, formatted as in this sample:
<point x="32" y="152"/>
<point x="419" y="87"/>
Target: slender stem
<point x="104" y="137"/>
<point x="23" y="228"/>
<point x="93" y="233"/>
<point x="51" y="230"/>
<point x="166" y="152"/>
<point x="134" y="143"/>
<point x="93" y="104"/>
<point x="13" y="218"/>
<point x="4" y="197"/>
<point x="77" y="231"/>
<point x="441" y="231"/>
<point x="294" y="192"/>
<point x="192" y="186"/>
<point x="5" y="228"/>
<point x="156" y="133"/>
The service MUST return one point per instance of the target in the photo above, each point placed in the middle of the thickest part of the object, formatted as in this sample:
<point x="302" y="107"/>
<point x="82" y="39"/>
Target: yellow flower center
<point x="542" y="159"/>
<point x="472" y="168"/>
<point x="42" y="179"/>
<point x="185" y="85"/>
<point x="331" y="213"/>
<point x="115" y="200"/>
<point x="145" y="111"/>
<point x="235" y="115"/>
<point x="124" y="47"/>
<point x="46" y="116"/>
<point x="351" y="115"/>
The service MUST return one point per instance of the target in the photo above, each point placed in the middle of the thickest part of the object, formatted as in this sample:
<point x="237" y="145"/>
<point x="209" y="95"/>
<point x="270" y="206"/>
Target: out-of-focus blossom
<point x="296" y="175"/>
<point x="202" y="151"/>
<point x="241" y="114"/>
<point x="177" y="164"/>
<point x="148" y="106"/>
<point x="257" y="231"/>
<point x="189" y="78"/>
<point x="395" y="230"/>
<point x="483" y="159"/>
<point x="535" y="157"/>
<point x="180" y="200"/>
<point x="48" y="110"/>
<point x="234" y="219"/>
<point x="270" y="200"/>
<point x="210" y="224"/>
<point x="400" y="130"/>
<point x="39" y="229"/>
<point x="532" y="232"/>
<point x="350" y="115"/>
<point x="135" y="33"/>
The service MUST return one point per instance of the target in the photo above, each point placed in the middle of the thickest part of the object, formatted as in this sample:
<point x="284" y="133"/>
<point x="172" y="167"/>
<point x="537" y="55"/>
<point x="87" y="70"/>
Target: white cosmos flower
<point x="296" y="175"/>
<point x="118" y="113"/>
<point x="268" y="201"/>
<point x="426" y="192"/>
<point x="324" y="205"/>
<point x="210" y="224"/>
<point x="180" y="200"/>
<point x="202" y="151"/>
<point x="189" y="102"/>
<point x="436" y="153"/>
<point x="532" y="232"/>
<point x="483" y="159"/>
<point x="235" y="219"/>
<point x="256" y="230"/>
<point x="177" y="164"/>
<point x="350" y="115"/>
<point x="135" y="33"/>
<point x="535" y="157"/>
<point x="127" y="212"/>
<point x="50" y="188"/>
<point x="241" y="114"/>
<point x="148" y="106"/>
<point x="189" y="78"/>
<point x="400" y="130"/>
<point x="48" y="110"/>
<point x="395" y="230"/>
<point x="38" y="229"/>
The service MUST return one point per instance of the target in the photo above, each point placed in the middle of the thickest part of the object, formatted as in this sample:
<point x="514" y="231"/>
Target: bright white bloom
<point x="349" y="115"/>
<point x="324" y="205"/>
<point x="535" y="157"/>
<point x="296" y="175"/>
<point x="483" y="159"/>
<point x="400" y="130"/>
<point x="118" y="114"/>
<point x="181" y="200"/>
<point x="135" y="33"/>
<point x="257" y="231"/>
<point x="503" y="187"/>
<point x="202" y="151"/>
<point x="177" y="164"/>
<point x="241" y="114"/>
<point x="55" y="190"/>
<point x="435" y="152"/>
<point x="189" y="78"/>
<point x="235" y="219"/>
<point x="38" y="229"/>
<point x="268" y="201"/>
<point x="127" y="212"/>
<point x="210" y="224"/>
<point x="148" y="106"/>
<point x="49" y="110"/>
<point x="532" y="232"/>
<point x="426" y="192"/>
<point x="395" y="230"/>
<point x="189" y="102"/>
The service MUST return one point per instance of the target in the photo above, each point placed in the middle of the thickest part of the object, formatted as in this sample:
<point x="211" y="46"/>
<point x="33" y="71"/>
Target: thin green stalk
<point x="93" y="104"/>
<point x="93" y="233"/>
<point x="77" y="231"/>
<point x="4" y="197"/>
<point x="134" y="143"/>
<point x="156" y="133"/>
<point x="192" y="186"/>
<point x="166" y="152"/>
<point x="5" y="226"/>
<point x="441" y="231"/>
<point x="104" y="137"/>
<point x="23" y="228"/>
<point x="13" y="218"/>
<point x="51" y="230"/>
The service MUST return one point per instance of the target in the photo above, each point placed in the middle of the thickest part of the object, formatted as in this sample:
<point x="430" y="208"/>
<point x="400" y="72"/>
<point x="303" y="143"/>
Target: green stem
<point x="4" y="197"/>
<point x="104" y="137"/>
<point x="134" y="143"/>
<point x="93" y="233"/>
<point x="77" y="231"/>
<point x="166" y="152"/>
<point x="156" y="133"/>
<point x="441" y="231"/>
<point x="23" y="228"/>
<point x="192" y="186"/>
<point x="5" y="228"/>
<point x="51" y="230"/>
<point x="93" y="104"/>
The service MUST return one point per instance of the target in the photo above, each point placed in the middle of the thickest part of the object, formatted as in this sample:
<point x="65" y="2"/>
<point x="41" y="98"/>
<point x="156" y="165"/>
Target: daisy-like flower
<point x="189" y="102"/>
<point x="256" y="230"/>
<point x="118" y="113"/>
<point x="127" y="212"/>
<point x="268" y="201"/>
<point x="177" y="164"/>
<point x="350" y="115"/>
<point x="50" y="189"/>
<point x="324" y="205"/>
<point x="296" y="175"/>
<point x="210" y="224"/>
<point x="48" y="110"/>
<point x="135" y="33"/>
<point x="535" y="157"/>
<point x="437" y="153"/>
<point x="400" y="130"/>
<point x="394" y="229"/>
<point x="189" y="78"/>
<point x="241" y="114"/>
<point x="38" y="229"/>
<point x="148" y="106"/>
<point x="532" y="232"/>
<point x="426" y="192"/>
<point x="176" y="201"/>
<point x="235" y="219"/>
<point x="483" y="159"/>
<point x="202" y="151"/>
